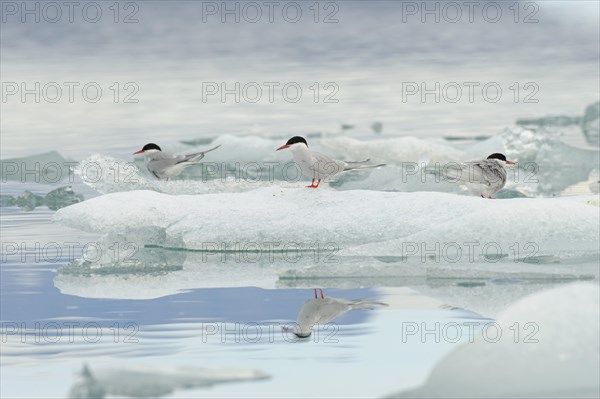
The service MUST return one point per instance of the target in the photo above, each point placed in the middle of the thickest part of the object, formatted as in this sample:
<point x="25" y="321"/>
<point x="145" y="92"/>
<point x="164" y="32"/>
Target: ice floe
<point x="153" y="381"/>
<point x="361" y="222"/>
<point x="548" y="347"/>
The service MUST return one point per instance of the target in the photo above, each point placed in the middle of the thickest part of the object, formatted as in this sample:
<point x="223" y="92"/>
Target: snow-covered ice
<point x="368" y="222"/>
<point x="556" y="352"/>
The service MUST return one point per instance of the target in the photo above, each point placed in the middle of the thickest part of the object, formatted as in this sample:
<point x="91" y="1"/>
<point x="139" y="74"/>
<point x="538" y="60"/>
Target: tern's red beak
<point x="283" y="147"/>
<point x="138" y="152"/>
<point x="510" y="163"/>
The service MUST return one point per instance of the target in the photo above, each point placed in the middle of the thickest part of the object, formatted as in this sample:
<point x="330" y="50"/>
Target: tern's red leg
<point x="312" y="185"/>
<point x="322" y="296"/>
<point x="314" y="289"/>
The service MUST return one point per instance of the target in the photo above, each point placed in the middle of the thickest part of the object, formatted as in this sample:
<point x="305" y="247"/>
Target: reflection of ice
<point x="155" y="272"/>
<point x="380" y="221"/>
<point x="548" y="347"/>
<point x="54" y="200"/>
<point x="154" y="381"/>
<point x="321" y="310"/>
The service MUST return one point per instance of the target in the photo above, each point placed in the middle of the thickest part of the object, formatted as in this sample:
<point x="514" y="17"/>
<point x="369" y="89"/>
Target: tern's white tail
<point x="196" y="157"/>
<point x="353" y="165"/>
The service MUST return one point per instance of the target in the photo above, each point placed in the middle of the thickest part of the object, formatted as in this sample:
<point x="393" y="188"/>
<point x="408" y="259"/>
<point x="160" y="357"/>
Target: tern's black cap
<point x="151" y="146"/>
<point x="497" y="155"/>
<point x="296" y="139"/>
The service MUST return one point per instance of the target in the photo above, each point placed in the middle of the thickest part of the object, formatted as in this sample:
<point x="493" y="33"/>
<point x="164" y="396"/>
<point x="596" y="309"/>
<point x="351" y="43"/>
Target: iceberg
<point x="548" y="347"/>
<point x="373" y="223"/>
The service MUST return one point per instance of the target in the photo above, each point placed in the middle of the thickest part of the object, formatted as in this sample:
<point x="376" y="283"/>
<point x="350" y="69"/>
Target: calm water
<point x="178" y="308"/>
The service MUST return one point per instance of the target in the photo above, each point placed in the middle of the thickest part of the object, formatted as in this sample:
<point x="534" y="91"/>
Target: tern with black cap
<point x="319" y="166"/>
<point x="164" y="165"/>
<point x="489" y="175"/>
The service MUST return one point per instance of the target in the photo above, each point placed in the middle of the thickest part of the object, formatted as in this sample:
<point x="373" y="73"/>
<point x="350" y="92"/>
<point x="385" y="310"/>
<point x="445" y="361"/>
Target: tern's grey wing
<point x="325" y="166"/>
<point x="490" y="172"/>
<point x="158" y="162"/>
<point x="487" y="172"/>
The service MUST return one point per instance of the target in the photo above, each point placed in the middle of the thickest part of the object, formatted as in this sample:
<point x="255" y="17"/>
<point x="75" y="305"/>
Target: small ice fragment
<point x="590" y="124"/>
<point x="377" y="127"/>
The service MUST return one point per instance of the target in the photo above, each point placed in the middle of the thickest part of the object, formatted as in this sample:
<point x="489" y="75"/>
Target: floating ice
<point x="590" y="124"/>
<point x="548" y="348"/>
<point x="377" y="127"/>
<point x="312" y="218"/>
<point x="394" y="151"/>
<point x="590" y="186"/>
<point x="49" y="167"/>
<point x="153" y="381"/>
<point x="560" y="120"/>
<point x="547" y="164"/>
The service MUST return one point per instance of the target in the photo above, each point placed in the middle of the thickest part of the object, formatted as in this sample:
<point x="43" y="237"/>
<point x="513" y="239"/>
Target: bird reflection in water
<point x="322" y="310"/>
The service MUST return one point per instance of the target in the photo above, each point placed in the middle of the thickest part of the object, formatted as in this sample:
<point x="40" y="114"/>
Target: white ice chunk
<point x="306" y="218"/>
<point x="153" y="380"/>
<point x="555" y="353"/>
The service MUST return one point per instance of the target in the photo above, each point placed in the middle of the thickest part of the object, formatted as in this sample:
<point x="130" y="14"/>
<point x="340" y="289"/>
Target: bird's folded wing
<point x="162" y="162"/>
<point x="470" y="172"/>
<point x="325" y="165"/>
